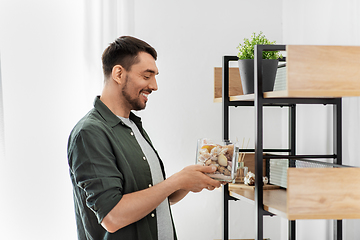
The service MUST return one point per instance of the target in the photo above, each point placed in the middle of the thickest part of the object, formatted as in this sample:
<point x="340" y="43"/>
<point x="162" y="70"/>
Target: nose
<point x="153" y="84"/>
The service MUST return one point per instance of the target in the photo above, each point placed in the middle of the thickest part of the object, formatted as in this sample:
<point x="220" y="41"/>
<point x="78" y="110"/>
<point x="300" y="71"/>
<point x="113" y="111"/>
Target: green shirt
<point x="105" y="163"/>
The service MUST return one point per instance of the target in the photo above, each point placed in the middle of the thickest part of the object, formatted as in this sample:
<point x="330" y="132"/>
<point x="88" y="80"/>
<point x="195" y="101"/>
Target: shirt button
<point x="144" y="158"/>
<point x="150" y="185"/>
<point x="132" y="134"/>
<point x="153" y="215"/>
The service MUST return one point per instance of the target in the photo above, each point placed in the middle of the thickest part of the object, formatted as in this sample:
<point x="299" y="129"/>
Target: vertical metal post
<point x="337" y="142"/>
<point x="337" y="121"/>
<point x="258" y="103"/>
<point x="225" y="133"/>
<point x="225" y="233"/>
<point x="292" y="230"/>
<point x="225" y="136"/>
<point x="292" y="145"/>
<point x="225" y="98"/>
<point x="292" y="129"/>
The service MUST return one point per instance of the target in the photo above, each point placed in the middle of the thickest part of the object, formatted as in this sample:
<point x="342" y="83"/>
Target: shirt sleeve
<point x="93" y="165"/>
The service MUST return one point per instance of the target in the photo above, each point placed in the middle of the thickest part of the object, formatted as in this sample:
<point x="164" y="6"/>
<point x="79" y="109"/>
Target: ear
<point x="117" y="73"/>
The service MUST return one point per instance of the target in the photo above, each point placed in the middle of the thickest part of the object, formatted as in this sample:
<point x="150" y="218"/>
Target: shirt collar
<point x="109" y="116"/>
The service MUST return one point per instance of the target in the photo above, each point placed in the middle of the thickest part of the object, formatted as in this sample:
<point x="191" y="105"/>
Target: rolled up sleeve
<point x="94" y="169"/>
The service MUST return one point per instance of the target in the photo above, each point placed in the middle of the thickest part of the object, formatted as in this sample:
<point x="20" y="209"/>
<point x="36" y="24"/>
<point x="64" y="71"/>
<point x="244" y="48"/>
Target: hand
<point x="192" y="178"/>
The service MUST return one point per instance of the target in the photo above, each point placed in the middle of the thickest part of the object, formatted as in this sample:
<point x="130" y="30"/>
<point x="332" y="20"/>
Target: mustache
<point x="146" y="90"/>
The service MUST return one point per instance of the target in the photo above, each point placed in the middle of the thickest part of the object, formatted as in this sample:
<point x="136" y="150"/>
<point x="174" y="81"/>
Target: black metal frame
<point x="259" y="102"/>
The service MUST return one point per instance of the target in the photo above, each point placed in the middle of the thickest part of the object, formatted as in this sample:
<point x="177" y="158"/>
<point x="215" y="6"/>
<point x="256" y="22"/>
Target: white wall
<point x="2" y="138"/>
<point x="50" y="78"/>
<point x="41" y="57"/>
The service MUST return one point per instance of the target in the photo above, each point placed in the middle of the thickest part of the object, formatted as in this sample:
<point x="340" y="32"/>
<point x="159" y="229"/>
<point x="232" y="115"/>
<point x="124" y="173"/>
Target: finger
<point x="216" y="182"/>
<point x="202" y="168"/>
<point x="207" y="169"/>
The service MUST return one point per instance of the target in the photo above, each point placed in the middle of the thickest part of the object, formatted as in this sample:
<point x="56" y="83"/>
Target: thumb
<point x="208" y="169"/>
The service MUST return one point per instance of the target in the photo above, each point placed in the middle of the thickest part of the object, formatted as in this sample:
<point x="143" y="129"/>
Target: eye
<point x="146" y="77"/>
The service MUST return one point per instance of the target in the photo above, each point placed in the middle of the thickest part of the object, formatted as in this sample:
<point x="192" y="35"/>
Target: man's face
<point x="140" y="81"/>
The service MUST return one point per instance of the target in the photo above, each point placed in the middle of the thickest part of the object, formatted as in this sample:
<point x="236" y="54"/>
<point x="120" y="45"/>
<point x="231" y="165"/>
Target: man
<point x="119" y="185"/>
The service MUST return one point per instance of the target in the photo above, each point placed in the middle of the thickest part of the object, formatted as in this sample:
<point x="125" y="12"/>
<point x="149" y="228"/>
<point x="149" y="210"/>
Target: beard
<point x="134" y="102"/>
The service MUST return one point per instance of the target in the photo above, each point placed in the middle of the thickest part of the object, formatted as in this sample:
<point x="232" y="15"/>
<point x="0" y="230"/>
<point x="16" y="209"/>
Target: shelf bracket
<point x="230" y="198"/>
<point x="266" y="213"/>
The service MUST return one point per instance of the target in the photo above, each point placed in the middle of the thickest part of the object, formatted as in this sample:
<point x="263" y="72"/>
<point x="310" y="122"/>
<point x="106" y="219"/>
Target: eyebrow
<point x="151" y="71"/>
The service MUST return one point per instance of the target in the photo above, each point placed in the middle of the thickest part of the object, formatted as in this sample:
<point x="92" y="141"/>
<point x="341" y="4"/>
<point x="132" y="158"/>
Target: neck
<point x="112" y="99"/>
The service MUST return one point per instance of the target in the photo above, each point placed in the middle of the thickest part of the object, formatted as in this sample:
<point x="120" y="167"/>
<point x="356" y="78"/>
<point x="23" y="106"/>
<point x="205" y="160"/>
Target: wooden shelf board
<point x="311" y="94"/>
<point x="217" y="100"/>
<point x="312" y="193"/>
<point x="247" y="97"/>
<point x="325" y="71"/>
<point x="274" y="200"/>
<point x="311" y="72"/>
<point x="323" y="193"/>
<point x="235" y="87"/>
<point x="294" y="94"/>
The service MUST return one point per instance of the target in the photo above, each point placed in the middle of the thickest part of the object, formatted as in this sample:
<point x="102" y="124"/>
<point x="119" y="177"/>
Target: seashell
<point x="207" y="147"/>
<point x="265" y="180"/>
<point x="222" y="160"/>
<point x="203" y="151"/>
<point x="214" y="157"/>
<point x="223" y="150"/>
<point x="216" y="150"/>
<point x="230" y="148"/>
<point x="230" y="163"/>
<point x="249" y="179"/>
<point x="221" y="169"/>
<point x="206" y="155"/>
<point x="229" y="157"/>
<point x="208" y="162"/>
<point x="227" y="172"/>
<point x="202" y="158"/>
<point x="224" y="171"/>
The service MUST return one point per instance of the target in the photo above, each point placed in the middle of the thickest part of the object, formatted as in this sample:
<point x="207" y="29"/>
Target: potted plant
<point x="246" y="63"/>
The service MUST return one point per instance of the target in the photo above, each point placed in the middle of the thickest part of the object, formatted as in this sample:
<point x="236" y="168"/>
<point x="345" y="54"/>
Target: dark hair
<point x="123" y="51"/>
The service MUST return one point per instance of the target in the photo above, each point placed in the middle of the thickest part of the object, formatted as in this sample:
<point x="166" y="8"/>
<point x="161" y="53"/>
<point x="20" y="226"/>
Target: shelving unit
<point x="312" y="78"/>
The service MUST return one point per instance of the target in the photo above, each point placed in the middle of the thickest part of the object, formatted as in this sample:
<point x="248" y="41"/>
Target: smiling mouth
<point x="146" y="95"/>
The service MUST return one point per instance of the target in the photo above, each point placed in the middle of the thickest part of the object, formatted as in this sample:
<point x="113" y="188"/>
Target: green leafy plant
<point x="246" y="50"/>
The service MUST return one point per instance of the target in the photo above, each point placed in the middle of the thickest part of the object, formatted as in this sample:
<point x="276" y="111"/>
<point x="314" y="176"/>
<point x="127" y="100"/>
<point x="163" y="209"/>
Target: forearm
<point x="134" y="206"/>
<point x="177" y="196"/>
